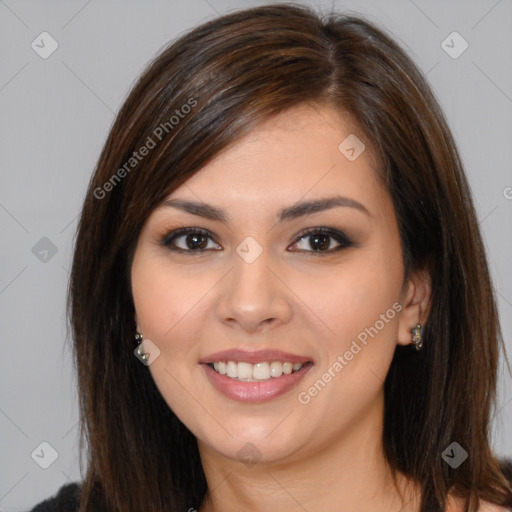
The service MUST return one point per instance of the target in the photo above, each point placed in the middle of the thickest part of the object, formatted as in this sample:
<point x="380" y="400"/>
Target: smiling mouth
<point x="259" y="372"/>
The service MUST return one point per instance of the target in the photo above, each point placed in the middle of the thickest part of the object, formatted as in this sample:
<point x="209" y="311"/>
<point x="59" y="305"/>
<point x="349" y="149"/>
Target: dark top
<point x="68" y="497"/>
<point x="66" y="500"/>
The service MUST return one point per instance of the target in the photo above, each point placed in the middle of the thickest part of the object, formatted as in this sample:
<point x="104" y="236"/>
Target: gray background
<point x="55" y="116"/>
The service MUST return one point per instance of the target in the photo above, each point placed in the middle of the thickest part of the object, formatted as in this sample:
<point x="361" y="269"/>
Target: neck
<point x="348" y="473"/>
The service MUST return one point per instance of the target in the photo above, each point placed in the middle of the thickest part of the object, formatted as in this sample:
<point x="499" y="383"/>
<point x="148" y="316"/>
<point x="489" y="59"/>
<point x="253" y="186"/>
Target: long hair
<point x="197" y="97"/>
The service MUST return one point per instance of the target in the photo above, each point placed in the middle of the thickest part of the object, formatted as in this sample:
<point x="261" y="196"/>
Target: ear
<point x="416" y="305"/>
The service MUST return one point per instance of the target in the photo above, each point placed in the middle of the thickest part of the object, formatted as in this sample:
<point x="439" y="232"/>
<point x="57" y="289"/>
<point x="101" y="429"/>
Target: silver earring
<point x="140" y="347"/>
<point x="417" y="336"/>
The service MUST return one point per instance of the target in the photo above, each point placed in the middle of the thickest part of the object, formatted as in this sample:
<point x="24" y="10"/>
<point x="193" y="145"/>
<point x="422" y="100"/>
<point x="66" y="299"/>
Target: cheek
<point x="167" y="306"/>
<point x="165" y="298"/>
<point x="151" y="295"/>
<point x="354" y="295"/>
<point x="361" y="309"/>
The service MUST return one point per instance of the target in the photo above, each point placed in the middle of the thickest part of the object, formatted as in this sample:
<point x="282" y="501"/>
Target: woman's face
<point x="318" y="284"/>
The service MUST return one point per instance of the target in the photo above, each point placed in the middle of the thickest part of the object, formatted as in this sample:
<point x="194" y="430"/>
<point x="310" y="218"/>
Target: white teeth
<point x="276" y="369"/>
<point x="255" y="372"/>
<point x="232" y="369"/>
<point x="261" y="371"/>
<point x="244" y="371"/>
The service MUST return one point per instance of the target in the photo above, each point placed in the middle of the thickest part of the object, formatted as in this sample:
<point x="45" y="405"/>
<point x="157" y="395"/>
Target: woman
<point x="281" y="223"/>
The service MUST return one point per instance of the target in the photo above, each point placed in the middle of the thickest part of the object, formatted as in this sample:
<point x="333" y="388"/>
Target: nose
<point x="253" y="297"/>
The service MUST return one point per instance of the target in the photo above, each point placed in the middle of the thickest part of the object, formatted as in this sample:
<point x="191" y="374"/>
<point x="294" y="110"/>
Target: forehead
<point x="305" y="152"/>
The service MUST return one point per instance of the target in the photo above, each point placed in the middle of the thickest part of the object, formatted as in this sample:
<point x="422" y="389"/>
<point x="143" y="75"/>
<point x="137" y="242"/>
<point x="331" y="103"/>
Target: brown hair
<point x="197" y="97"/>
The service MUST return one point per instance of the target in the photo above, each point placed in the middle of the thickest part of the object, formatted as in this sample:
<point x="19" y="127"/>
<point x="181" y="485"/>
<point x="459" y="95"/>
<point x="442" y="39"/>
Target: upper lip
<point x="254" y="357"/>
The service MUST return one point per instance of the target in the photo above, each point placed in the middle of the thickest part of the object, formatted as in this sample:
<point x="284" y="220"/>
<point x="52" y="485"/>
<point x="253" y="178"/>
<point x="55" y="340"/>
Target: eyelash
<point x="171" y="235"/>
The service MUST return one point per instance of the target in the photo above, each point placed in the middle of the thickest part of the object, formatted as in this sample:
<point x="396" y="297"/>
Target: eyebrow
<point x="292" y="212"/>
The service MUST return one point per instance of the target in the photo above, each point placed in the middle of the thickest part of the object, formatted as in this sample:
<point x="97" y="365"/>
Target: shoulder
<point x="66" y="500"/>
<point x="506" y="469"/>
<point x="490" y="507"/>
<point x="456" y="505"/>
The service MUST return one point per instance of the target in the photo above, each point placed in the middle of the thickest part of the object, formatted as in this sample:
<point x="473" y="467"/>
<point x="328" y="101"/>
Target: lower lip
<point x="255" y="392"/>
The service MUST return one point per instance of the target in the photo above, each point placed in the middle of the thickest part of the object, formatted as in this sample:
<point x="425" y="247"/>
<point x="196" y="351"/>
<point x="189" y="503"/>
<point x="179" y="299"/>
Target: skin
<point x="328" y="452"/>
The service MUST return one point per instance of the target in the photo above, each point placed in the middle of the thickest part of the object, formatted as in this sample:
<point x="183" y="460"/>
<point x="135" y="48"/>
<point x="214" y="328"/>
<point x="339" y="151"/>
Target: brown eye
<point x="321" y="240"/>
<point x="189" y="240"/>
